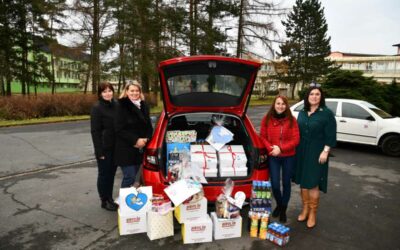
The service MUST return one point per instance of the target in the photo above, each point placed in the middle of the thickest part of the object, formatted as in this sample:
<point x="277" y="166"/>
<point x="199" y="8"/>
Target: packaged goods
<point x="159" y="225"/>
<point x="278" y="234"/>
<point x="254" y="220"/>
<point x="204" y="157"/>
<point x="219" y="136"/>
<point x="181" y="136"/>
<point x="132" y="223"/>
<point x="226" y="228"/>
<point x="175" y="153"/>
<point x="197" y="231"/>
<point x="191" y="211"/>
<point x="263" y="226"/>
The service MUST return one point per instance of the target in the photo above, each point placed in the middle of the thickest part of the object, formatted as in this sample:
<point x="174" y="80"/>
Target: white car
<point x="361" y="122"/>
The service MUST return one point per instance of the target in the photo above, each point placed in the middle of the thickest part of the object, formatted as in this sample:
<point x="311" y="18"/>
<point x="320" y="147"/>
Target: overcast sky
<point x="362" y="26"/>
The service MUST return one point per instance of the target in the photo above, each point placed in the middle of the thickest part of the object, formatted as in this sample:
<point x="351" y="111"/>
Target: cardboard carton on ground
<point x="191" y="211"/>
<point x="132" y="223"/>
<point x="197" y="231"/>
<point x="159" y="225"/>
<point x="226" y="228"/>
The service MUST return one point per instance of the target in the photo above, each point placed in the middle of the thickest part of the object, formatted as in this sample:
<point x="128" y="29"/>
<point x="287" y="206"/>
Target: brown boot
<point x="312" y="216"/>
<point x="305" y="198"/>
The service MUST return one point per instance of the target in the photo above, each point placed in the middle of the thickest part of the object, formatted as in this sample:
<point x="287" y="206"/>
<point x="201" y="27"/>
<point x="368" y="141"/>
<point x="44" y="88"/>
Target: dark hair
<point x="103" y="86"/>
<point x="307" y="103"/>
<point x="272" y="110"/>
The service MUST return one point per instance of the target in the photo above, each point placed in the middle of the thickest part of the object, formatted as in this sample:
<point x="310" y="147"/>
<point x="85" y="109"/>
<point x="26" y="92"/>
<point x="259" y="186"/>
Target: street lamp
<point x="226" y="37"/>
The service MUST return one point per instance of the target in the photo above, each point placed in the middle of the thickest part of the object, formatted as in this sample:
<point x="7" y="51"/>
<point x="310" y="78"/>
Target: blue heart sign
<point x="136" y="202"/>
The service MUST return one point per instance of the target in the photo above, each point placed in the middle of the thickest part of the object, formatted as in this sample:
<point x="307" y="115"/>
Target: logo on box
<point x="198" y="228"/>
<point x="133" y="220"/>
<point x="228" y="224"/>
<point x="193" y="207"/>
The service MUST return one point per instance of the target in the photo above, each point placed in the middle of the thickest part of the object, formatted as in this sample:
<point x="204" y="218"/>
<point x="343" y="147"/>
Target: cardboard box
<point x="174" y="152"/>
<point x="232" y="156"/>
<point x="191" y="211"/>
<point x="131" y="223"/>
<point x="203" y="156"/>
<point x="226" y="228"/>
<point x="197" y="231"/>
<point x="226" y="172"/>
<point x="159" y="226"/>
<point x="211" y="172"/>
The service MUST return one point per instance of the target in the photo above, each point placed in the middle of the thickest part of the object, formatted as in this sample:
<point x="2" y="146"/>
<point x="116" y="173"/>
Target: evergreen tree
<point x="307" y="44"/>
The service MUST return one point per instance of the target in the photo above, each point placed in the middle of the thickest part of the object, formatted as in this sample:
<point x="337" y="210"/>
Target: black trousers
<point x="105" y="178"/>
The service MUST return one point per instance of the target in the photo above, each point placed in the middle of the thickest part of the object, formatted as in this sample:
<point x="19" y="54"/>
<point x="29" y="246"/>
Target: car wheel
<point x="391" y="145"/>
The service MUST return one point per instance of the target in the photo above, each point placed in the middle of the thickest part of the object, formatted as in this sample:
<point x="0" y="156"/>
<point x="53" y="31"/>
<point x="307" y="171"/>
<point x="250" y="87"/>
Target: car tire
<point x="391" y="145"/>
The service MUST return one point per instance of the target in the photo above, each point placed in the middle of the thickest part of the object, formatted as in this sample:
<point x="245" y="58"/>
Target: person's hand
<point x="275" y="150"/>
<point x="323" y="157"/>
<point x="141" y="142"/>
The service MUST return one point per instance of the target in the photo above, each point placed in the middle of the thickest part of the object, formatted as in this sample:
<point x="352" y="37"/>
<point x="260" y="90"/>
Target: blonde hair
<point x="126" y="88"/>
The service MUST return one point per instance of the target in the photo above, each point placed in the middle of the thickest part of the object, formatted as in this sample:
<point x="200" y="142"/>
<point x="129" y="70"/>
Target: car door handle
<point x="344" y="121"/>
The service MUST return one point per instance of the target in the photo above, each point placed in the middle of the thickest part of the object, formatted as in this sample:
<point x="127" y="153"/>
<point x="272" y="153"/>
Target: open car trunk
<point x="202" y="123"/>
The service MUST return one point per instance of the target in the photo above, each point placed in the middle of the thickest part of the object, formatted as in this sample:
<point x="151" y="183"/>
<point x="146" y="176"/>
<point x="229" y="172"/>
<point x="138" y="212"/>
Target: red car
<point x="195" y="90"/>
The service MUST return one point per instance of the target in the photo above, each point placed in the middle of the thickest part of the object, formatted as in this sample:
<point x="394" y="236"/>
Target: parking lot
<point x="49" y="198"/>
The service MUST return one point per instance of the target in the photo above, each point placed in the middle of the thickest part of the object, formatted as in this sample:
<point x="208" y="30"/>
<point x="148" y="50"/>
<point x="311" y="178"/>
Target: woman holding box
<point x="133" y="130"/>
<point x="280" y="135"/>
<point x="102" y="130"/>
<point x="317" y="126"/>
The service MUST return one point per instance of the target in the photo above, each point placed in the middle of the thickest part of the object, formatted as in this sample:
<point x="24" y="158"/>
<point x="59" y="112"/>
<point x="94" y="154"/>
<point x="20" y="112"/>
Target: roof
<point x="347" y="54"/>
<point x="59" y="50"/>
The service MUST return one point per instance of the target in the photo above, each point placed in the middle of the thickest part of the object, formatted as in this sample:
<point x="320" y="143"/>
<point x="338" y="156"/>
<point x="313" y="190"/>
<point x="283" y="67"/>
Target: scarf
<point x="137" y="103"/>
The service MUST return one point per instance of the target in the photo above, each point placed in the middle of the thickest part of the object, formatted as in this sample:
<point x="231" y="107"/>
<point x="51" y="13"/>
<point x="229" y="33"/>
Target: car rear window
<point x="208" y="82"/>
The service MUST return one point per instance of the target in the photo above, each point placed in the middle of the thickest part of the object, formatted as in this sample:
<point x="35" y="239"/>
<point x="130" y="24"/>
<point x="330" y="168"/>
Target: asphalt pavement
<point x="49" y="198"/>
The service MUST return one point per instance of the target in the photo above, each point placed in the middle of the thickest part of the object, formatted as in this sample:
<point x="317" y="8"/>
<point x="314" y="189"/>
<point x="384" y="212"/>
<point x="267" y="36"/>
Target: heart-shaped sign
<point x="136" y="202"/>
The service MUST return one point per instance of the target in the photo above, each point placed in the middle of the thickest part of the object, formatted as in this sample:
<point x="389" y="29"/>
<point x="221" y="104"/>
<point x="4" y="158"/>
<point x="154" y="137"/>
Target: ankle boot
<point x="282" y="215"/>
<point x="276" y="211"/>
<point x="109" y="204"/>
<point x="305" y="199"/>
<point x="312" y="217"/>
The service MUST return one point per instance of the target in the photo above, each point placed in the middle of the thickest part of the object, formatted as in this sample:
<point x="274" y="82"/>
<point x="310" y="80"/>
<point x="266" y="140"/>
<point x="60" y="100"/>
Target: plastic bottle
<point x="269" y="193"/>
<point x="253" y="190"/>
<point x="263" y="227"/>
<point x="254" y="225"/>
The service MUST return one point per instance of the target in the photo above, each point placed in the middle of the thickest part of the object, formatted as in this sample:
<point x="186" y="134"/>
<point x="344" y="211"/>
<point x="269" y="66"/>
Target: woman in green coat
<point x="317" y="127"/>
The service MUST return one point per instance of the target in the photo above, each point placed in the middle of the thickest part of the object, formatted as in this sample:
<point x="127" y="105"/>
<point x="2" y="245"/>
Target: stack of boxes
<point x="196" y="224"/>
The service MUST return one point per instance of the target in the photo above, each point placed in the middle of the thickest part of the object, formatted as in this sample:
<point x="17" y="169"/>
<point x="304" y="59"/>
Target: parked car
<point x="362" y="122"/>
<point x="195" y="90"/>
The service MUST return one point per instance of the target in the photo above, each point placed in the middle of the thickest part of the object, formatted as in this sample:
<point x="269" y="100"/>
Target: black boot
<point x="282" y="215"/>
<point x="109" y="204"/>
<point x="276" y="211"/>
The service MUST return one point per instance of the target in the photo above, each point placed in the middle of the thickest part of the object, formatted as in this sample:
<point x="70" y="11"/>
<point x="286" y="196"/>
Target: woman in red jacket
<point x="280" y="134"/>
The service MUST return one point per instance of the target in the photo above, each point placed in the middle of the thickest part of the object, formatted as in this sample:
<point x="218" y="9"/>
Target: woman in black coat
<point x="133" y="130"/>
<point x="102" y="130"/>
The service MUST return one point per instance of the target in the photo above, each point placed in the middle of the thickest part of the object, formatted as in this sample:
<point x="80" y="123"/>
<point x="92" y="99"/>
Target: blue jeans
<point x="287" y="165"/>
<point x="129" y="173"/>
<point x="105" y="178"/>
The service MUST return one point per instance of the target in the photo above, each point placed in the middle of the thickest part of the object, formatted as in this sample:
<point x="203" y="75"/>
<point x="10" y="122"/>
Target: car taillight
<point x="151" y="160"/>
<point x="262" y="158"/>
